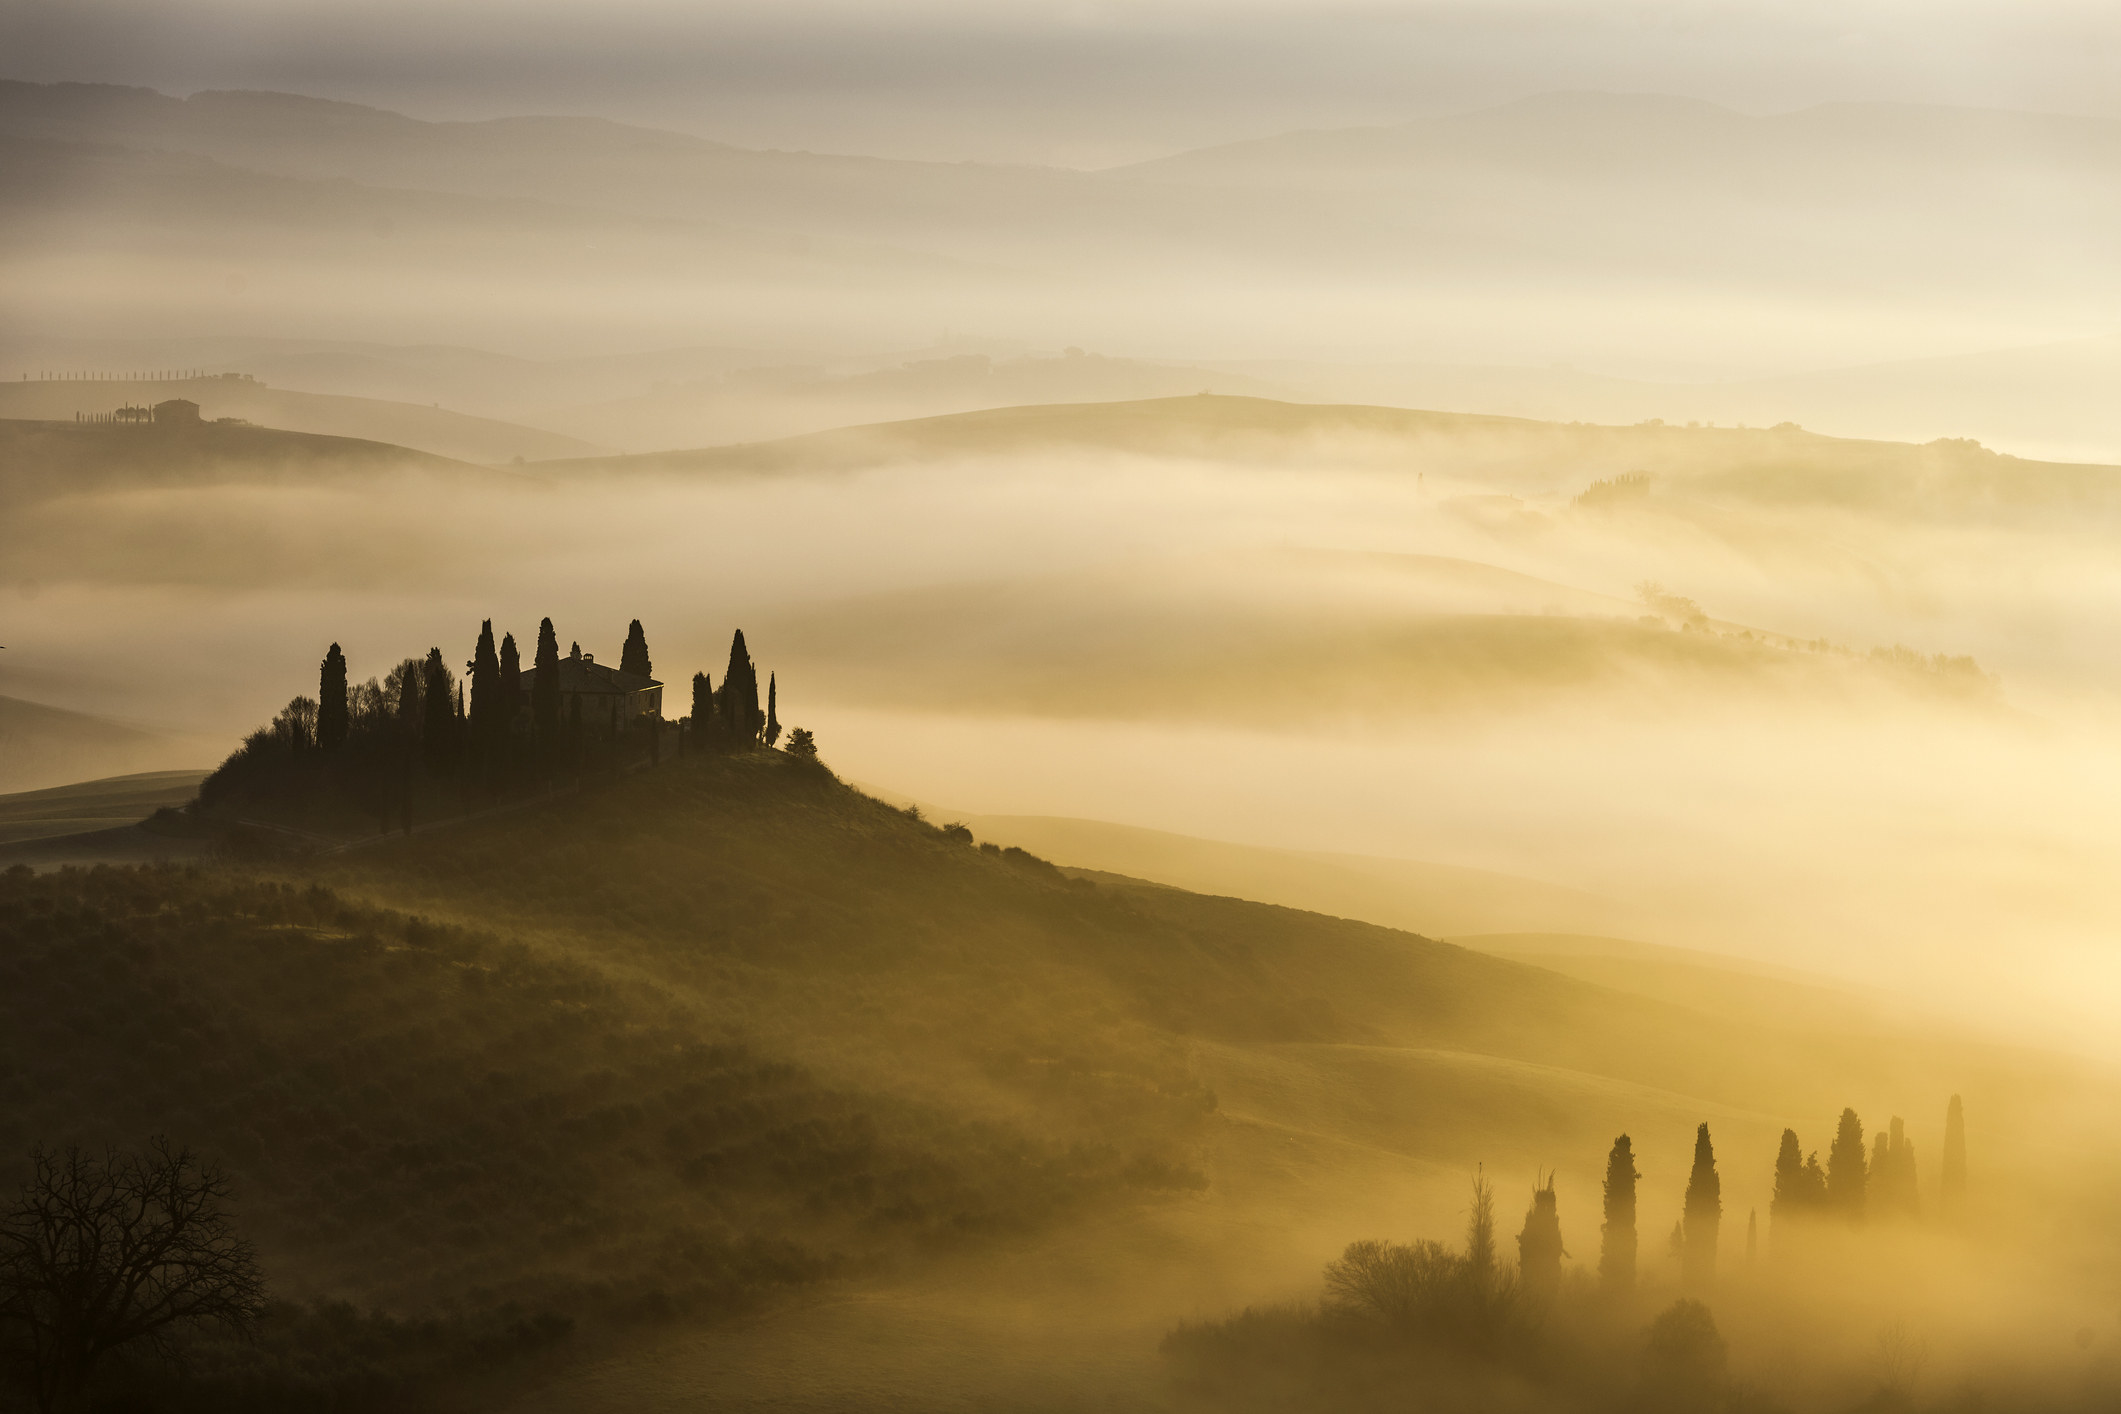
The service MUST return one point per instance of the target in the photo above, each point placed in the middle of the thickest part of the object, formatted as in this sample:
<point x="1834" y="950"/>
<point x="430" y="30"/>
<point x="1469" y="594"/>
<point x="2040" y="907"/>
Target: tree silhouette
<point x="1539" y="1249"/>
<point x="438" y="718"/>
<point x="1703" y="1214"/>
<point x="511" y="681"/>
<point x="487" y="722"/>
<point x="331" y="701"/>
<point x="741" y="718"/>
<point x="702" y="703"/>
<point x="1788" y="1200"/>
<point x="1951" y="1193"/>
<point x="117" y="1252"/>
<point x="1616" y="1238"/>
<point x="633" y="658"/>
<point x="1847" y="1179"/>
<point x="1814" y="1190"/>
<point x="404" y="686"/>
<point x="545" y="690"/>
<point x="801" y="743"/>
<point x="773" y="716"/>
<point x="1480" y="1230"/>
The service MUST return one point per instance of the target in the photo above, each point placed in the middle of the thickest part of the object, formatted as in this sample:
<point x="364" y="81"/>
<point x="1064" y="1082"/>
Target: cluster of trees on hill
<point x="382" y="749"/>
<point x="1465" y="1317"/>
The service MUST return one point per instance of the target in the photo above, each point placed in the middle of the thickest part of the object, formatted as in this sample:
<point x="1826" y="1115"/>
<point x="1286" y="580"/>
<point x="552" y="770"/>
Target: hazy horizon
<point x="1219" y="646"/>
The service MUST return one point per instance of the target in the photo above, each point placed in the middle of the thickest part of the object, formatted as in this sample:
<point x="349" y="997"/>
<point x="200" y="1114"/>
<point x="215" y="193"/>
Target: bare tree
<point x="121" y="1250"/>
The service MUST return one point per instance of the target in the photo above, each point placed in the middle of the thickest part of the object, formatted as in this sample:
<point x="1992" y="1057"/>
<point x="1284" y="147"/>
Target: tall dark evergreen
<point x="1703" y="1214"/>
<point x="486" y="719"/>
<point x="633" y="658"/>
<point x="331" y="701"/>
<point x="1788" y="1200"/>
<point x="438" y="717"/>
<point x="545" y="688"/>
<point x="739" y="696"/>
<point x="1847" y="1176"/>
<point x="702" y="705"/>
<point x="1539" y="1249"/>
<point x="1616" y="1238"/>
<point x="1814" y="1190"/>
<point x="1951" y="1192"/>
<point x="773" y="716"/>
<point x="405" y="682"/>
<point x="511" y="681"/>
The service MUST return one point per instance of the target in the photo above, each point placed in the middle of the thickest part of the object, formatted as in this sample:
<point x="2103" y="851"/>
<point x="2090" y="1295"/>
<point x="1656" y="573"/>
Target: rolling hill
<point x="85" y="806"/>
<point x="1760" y="468"/>
<point x="433" y="430"/>
<point x="41" y="461"/>
<point x="44" y="746"/>
<point x="713" y="1039"/>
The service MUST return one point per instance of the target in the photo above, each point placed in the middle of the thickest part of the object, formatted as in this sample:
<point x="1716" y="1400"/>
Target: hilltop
<point x="44" y="460"/>
<point x="435" y="431"/>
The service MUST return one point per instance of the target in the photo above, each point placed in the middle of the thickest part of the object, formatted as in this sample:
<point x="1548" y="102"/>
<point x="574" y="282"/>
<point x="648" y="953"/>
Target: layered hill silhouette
<point x="43" y="746"/>
<point x="43" y="460"/>
<point x="1761" y="467"/>
<point x="435" y="431"/>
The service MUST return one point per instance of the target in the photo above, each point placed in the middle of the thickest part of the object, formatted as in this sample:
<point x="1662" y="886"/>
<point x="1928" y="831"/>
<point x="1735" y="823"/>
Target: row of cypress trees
<point x="1851" y="1187"/>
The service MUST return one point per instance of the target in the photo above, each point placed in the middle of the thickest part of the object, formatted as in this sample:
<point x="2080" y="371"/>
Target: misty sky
<point x="1065" y="81"/>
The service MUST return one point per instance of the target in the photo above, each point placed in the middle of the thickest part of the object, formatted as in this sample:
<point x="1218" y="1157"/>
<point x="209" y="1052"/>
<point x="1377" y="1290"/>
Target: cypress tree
<point x="1813" y="1193"/>
<point x="1704" y="1214"/>
<point x="438" y="720"/>
<point x="702" y="702"/>
<point x="773" y="716"/>
<point x="740" y="696"/>
<point x="545" y="689"/>
<point x="1616" y="1237"/>
<point x="1896" y="1191"/>
<point x="487" y="721"/>
<point x="1788" y="1200"/>
<point x="1539" y="1249"/>
<point x="1951" y="1194"/>
<point x="511" y="681"/>
<point x="1847" y="1179"/>
<point x="409" y="676"/>
<point x="331" y="701"/>
<point x="1480" y="1229"/>
<point x="633" y="658"/>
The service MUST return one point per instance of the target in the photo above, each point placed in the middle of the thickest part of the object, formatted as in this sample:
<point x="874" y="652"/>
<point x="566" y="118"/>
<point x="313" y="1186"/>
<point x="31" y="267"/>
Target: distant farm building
<point x="608" y="698"/>
<point x="177" y="410"/>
